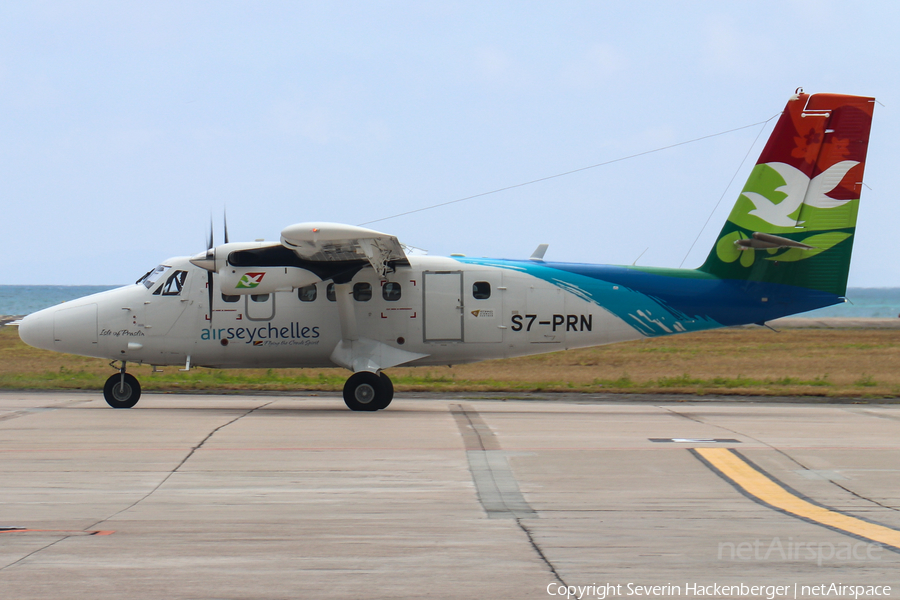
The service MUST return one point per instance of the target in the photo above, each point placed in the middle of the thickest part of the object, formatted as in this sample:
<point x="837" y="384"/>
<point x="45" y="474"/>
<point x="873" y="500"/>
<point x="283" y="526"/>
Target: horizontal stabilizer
<point x="766" y="241"/>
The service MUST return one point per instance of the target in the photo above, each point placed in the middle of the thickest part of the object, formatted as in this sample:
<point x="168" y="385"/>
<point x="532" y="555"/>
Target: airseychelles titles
<point x="263" y="333"/>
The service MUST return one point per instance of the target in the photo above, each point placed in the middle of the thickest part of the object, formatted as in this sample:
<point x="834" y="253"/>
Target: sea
<point x="26" y="299"/>
<point x="883" y="303"/>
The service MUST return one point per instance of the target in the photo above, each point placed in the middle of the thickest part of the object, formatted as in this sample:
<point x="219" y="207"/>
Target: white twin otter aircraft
<point x="330" y="294"/>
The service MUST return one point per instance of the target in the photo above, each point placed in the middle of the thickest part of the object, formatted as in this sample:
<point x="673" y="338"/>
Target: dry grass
<point x="812" y="362"/>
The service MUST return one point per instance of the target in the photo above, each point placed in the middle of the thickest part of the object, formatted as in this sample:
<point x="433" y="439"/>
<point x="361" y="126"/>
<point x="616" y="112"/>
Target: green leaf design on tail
<point x="725" y="248"/>
<point x="728" y="252"/>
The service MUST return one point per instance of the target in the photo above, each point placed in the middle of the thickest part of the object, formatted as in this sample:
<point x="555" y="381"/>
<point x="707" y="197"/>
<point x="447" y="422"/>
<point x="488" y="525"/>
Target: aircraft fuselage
<point x="449" y="310"/>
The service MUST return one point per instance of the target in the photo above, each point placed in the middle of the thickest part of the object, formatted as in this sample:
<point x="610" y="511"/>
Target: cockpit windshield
<point x="173" y="285"/>
<point x="153" y="276"/>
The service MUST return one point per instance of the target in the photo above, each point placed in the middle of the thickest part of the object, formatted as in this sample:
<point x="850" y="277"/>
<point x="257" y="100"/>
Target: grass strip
<point x="806" y="362"/>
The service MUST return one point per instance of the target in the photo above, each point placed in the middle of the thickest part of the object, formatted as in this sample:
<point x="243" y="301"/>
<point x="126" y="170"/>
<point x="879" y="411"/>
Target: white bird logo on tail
<point x="799" y="190"/>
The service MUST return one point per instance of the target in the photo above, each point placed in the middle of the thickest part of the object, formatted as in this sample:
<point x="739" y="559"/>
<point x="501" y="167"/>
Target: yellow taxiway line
<point x="758" y="485"/>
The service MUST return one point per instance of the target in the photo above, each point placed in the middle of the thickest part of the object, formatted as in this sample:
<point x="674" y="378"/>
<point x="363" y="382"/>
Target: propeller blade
<point x="208" y="262"/>
<point x="209" y="289"/>
<point x="225" y="220"/>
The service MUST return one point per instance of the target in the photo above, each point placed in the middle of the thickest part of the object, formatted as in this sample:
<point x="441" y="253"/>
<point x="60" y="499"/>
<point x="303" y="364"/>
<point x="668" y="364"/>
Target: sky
<point x="125" y="126"/>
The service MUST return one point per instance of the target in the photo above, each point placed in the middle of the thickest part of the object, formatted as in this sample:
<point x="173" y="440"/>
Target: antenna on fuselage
<point x="639" y="256"/>
<point x="538" y="254"/>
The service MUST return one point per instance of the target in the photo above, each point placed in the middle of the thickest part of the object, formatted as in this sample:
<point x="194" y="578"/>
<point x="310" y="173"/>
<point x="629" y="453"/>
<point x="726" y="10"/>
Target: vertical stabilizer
<point x="795" y="219"/>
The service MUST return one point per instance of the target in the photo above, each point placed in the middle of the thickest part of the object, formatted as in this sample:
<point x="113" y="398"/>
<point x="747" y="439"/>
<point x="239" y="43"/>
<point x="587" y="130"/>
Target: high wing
<point x="334" y="242"/>
<point x="307" y="253"/>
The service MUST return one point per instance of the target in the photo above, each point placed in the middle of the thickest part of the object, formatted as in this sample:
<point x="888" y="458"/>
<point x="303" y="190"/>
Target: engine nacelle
<point x="242" y="281"/>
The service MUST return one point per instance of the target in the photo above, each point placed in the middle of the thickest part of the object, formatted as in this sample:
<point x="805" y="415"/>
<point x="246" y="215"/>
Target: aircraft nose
<point x="36" y="329"/>
<point x="62" y="328"/>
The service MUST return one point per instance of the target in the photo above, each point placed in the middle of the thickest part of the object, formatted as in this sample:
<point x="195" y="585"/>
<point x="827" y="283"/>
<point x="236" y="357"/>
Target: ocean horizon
<point x="865" y="303"/>
<point x="25" y="299"/>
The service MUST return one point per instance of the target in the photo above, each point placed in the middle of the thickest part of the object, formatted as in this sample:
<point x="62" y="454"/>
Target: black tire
<point x="364" y="391"/>
<point x="122" y="396"/>
<point x="388" y="386"/>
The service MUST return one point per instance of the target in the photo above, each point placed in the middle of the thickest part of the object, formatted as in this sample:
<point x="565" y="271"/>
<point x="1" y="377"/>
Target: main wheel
<point x="365" y="391"/>
<point x="122" y="394"/>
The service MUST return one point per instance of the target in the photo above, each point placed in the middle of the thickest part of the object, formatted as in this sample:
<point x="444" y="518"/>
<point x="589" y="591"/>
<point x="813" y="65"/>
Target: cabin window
<point x="362" y="292"/>
<point x="390" y="291"/>
<point x="173" y="285"/>
<point x="228" y="298"/>
<point x="481" y="290"/>
<point x="259" y="297"/>
<point x="329" y="293"/>
<point x="308" y="293"/>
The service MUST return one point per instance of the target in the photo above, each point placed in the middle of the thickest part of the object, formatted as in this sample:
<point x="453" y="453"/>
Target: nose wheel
<point x="368" y="391"/>
<point x="122" y="390"/>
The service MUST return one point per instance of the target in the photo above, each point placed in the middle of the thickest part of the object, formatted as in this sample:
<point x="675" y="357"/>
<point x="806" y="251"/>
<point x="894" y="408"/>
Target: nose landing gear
<point x="368" y="391"/>
<point x="122" y="390"/>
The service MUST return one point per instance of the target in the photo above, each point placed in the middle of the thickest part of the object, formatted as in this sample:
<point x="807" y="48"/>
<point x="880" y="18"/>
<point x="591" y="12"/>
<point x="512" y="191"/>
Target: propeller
<point x="210" y="250"/>
<point x="207" y="260"/>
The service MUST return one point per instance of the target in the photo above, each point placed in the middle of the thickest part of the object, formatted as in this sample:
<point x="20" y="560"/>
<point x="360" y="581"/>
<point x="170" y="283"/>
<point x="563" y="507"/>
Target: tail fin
<point x="795" y="219"/>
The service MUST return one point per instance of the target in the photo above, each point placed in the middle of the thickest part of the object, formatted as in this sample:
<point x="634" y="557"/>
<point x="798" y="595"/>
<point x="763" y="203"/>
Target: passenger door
<point x="443" y="306"/>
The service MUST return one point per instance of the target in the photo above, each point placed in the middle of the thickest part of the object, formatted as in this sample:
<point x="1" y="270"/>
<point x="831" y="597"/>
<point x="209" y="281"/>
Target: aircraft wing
<point x="335" y="242"/>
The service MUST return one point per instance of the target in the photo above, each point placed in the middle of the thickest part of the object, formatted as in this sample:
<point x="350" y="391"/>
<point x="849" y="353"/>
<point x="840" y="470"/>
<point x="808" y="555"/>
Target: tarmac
<point x="283" y="496"/>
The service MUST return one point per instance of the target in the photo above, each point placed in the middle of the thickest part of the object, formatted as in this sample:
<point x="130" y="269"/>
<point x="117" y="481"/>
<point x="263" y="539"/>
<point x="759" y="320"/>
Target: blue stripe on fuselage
<point x="655" y="303"/>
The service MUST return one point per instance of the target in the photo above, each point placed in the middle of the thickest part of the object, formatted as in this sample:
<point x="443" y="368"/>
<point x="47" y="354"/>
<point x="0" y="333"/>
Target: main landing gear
<point x="363" y="391"/>
<point x="368" y="391"/>
<point x="122" y="390"/>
